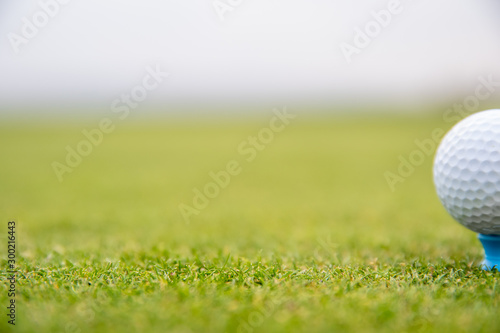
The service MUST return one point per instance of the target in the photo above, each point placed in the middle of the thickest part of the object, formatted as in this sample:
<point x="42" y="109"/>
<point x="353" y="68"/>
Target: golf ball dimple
<point x="467" y="172"/>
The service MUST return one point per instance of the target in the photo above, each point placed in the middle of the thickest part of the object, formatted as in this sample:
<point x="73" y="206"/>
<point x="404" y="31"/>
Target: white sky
<point x="276" y="50"/>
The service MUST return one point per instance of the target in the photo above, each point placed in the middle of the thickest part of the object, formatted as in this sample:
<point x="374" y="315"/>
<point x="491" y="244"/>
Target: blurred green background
<point x="318" y="176"/>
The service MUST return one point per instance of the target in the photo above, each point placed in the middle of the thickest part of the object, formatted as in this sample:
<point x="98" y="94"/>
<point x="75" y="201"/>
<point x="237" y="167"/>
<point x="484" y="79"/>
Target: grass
<point x="309" y="237"/>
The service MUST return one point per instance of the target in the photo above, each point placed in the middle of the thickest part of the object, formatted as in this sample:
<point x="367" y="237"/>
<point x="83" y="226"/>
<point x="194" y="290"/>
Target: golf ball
<point x="467" y="172"/>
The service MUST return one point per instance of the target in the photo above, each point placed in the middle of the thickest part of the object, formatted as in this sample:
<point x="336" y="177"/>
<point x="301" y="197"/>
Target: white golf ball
<point x="467" y="172"/>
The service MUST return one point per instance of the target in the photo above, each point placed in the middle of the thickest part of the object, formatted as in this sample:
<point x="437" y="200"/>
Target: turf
<point x="308" y="238"/>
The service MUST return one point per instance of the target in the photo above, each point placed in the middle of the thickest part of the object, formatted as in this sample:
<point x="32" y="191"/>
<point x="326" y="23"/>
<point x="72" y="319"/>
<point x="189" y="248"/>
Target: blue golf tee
<point x="491" y="244"/>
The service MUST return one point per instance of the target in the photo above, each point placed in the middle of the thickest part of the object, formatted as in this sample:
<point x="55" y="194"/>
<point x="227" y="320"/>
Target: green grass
<point x="308" y="238"/>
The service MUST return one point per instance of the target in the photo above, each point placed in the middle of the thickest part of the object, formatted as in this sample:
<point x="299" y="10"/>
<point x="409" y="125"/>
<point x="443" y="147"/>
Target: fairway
<point x="308" y="237"/>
